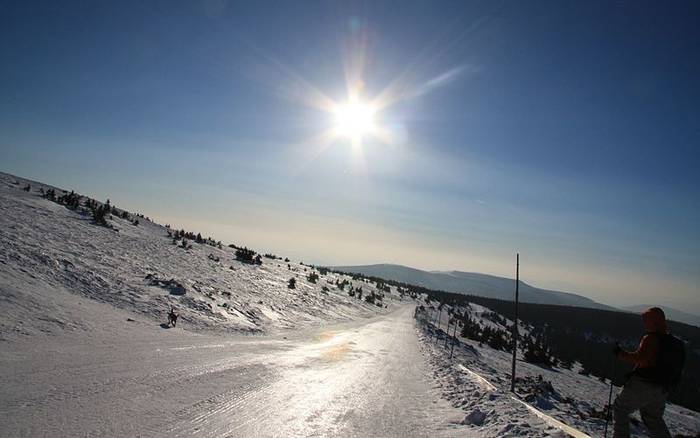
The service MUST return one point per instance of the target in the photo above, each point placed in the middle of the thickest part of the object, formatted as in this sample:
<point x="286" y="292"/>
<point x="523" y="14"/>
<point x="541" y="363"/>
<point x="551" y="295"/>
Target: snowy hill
<point x="54" y="257"/>
<point x="472" y="284"/>
<point x="475" y="376"/>
<point x="85" y="350"/>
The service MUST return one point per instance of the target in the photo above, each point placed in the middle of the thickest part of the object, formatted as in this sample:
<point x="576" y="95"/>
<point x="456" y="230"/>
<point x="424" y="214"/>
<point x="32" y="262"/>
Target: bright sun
<point x="354" y="119"/>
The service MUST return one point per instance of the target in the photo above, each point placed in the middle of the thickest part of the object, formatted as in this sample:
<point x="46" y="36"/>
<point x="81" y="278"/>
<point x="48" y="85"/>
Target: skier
<point x="172" y="317"/>
<point x="644" y="390"/>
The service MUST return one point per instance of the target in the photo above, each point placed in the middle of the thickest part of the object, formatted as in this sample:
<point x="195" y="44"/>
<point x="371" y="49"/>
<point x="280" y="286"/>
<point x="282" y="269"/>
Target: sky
<point x="566" y="131"/>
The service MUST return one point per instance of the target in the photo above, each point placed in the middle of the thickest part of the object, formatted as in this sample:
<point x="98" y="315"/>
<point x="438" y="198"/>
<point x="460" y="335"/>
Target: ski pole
<point x="607" y="414"/>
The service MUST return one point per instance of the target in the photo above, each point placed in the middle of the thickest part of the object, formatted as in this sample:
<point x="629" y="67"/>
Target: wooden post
<point x="454" y="338"/>
<point x="515" y="324"/>
<point x="447" y="332"/>
<point x="438" y="325"/>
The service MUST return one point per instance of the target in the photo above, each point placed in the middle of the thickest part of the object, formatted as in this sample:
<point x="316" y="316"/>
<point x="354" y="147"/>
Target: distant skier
<point x="658" y="362"/>
<point x="172" y="317"/>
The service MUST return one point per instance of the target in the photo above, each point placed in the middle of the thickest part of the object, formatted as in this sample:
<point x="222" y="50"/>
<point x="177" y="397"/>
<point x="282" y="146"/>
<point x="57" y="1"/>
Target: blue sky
<point x="568" y="131"/>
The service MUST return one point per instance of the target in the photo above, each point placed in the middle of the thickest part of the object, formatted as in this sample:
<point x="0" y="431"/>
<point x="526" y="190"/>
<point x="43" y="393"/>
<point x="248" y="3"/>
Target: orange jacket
<point x="648" y="350"/>
<point x="646" y="353"/>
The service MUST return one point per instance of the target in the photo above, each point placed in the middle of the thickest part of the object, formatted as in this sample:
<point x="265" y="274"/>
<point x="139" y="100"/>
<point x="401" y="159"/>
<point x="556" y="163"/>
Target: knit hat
<point x="654" y="320"/>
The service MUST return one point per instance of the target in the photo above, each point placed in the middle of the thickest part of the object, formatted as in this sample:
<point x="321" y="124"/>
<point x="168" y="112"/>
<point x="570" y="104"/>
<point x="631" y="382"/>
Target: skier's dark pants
<point x="650" y="399"/>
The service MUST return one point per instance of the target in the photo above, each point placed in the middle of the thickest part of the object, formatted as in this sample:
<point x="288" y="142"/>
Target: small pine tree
<point x="99" y="214"/>
<point x="246" y="255"/>
<point x="292" y="283"/>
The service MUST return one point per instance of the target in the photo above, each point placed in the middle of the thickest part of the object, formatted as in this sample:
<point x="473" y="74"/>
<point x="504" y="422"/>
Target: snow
<point x="352" y="379"/>
<point x="85" y="350"/>
<point x="479" y="377"/>
<point x="47" y="247"/>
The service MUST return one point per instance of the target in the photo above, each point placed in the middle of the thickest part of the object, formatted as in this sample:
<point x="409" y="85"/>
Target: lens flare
<point x="354" y="119"/>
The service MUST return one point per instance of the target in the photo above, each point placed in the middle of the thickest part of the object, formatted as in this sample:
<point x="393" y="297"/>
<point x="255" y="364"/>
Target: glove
<point x="616" y="351"/>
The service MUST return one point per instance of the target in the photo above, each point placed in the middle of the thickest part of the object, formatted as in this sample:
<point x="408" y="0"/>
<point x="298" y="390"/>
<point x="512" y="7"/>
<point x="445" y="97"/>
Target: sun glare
<point x="354" y="119"/>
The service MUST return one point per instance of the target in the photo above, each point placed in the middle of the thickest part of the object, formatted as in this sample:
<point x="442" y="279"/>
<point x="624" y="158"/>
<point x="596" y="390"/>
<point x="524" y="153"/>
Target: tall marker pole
<point x="438" y="324"/>
<point x="447" y="332"/>
<point x="454" y="338"/>
<point x="515" y="325"/>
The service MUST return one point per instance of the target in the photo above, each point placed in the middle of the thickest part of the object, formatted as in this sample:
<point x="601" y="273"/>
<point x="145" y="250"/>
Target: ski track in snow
<point x="351" y="380"/>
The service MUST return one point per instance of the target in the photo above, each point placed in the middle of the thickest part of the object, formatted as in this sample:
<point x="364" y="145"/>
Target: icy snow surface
<point x="352" y="380"/>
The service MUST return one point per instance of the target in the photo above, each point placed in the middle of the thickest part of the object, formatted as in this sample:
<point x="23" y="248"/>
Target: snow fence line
<point x="575" y="433"/>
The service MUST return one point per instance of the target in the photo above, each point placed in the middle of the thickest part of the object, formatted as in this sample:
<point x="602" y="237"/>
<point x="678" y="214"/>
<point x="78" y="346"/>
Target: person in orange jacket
<point x="643" y="391"/>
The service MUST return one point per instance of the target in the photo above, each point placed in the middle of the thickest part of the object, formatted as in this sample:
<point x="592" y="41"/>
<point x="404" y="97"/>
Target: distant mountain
<point x="671" y="313"/>
<point x="472" y="284"/>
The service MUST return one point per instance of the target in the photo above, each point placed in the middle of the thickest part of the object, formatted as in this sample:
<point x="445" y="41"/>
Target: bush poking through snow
<point x="100" y="213"/>
<point x="292" y="283"/>
<point x="495" y="338"/>
<point x="246" y="255"/>
<point x="70" y="200"/>
<point x="537" y="352"/>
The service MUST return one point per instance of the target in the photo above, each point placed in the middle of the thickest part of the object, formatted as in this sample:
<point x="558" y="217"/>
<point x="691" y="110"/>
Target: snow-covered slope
<point x="472" y="284"/>
<point x="476" y="378"/>
<point x="55" y="262"/>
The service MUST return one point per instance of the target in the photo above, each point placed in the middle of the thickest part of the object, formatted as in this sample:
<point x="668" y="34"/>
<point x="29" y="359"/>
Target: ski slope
<point x="352" y="380"/>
